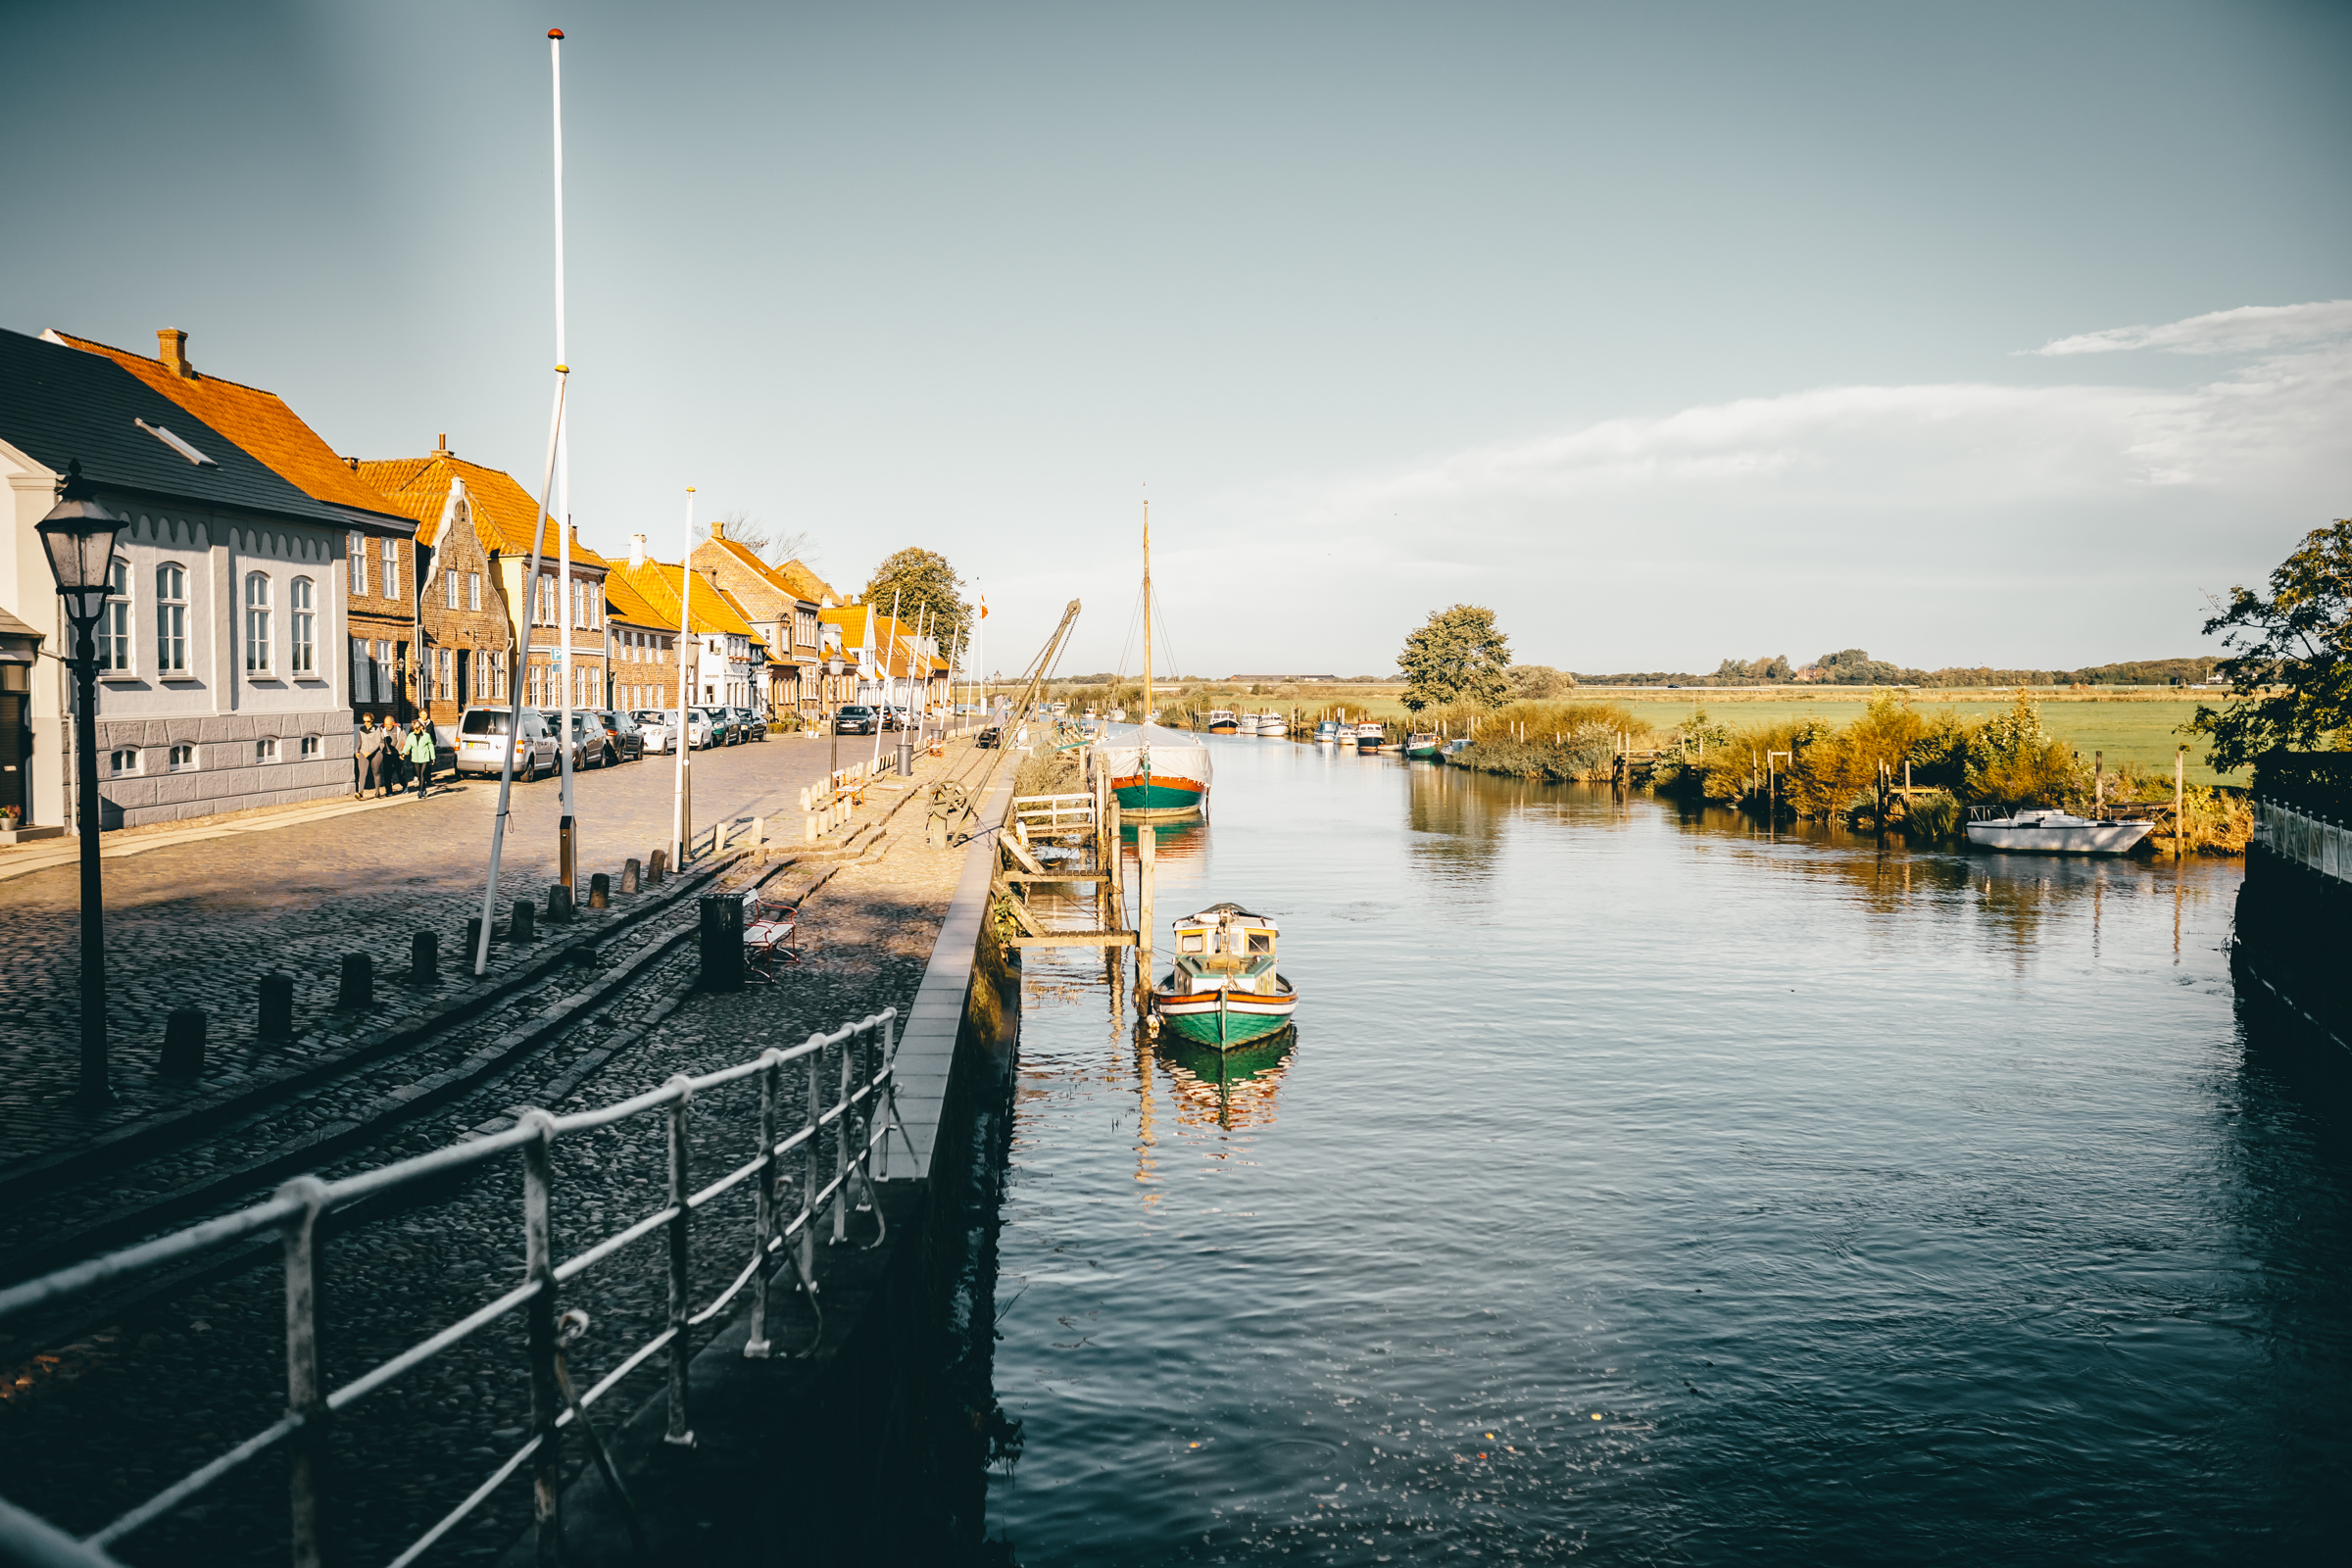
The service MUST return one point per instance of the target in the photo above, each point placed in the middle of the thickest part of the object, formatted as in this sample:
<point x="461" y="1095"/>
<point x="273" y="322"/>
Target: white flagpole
<point x="679" y="824"/>
<point x="566" y="594"/>
<point x="883" y="686"/>
<point x="506" y="771"/>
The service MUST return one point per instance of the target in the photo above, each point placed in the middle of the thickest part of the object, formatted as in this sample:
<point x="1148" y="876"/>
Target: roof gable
<point x="58" y="404"/>
<point x="256" y="421"/>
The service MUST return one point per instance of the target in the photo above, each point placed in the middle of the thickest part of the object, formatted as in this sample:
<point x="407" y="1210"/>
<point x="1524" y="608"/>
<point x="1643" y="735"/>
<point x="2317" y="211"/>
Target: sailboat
<point x="1156" y="772"/>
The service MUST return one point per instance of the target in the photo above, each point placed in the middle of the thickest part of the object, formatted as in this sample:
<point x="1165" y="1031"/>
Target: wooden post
<point x="2179" y="827"/>
<point x="2099" y="784"/>
<point x="1145" y="842"/>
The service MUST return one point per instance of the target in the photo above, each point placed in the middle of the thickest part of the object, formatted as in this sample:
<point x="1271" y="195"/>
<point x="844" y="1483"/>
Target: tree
<point x="921" y="579"/>
<point x="1536" y="683"/>
<point x="1457" y="658"/>
<point x="2290" y="667"/>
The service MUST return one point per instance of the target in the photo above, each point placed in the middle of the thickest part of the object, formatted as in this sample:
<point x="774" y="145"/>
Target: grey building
<point x="224" y="683"/>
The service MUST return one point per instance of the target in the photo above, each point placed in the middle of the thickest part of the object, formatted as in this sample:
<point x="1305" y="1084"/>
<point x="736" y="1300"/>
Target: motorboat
<point x="2057" y="833"/>
<point x="1327" y="733"/>
<point x="1371" y="736"/>
<point x="1273" y="724"/>
<point x="1223" y="988"/>
<point x="1222" y="722"/>
<point x="1424" y="744"/>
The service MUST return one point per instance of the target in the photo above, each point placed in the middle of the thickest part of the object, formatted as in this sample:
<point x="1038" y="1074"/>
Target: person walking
<point x="370" y="754"/>
<point x="421" y="752"/>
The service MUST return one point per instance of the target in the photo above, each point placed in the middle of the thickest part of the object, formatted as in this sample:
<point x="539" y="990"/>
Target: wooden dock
<point x="1091" y="818"/>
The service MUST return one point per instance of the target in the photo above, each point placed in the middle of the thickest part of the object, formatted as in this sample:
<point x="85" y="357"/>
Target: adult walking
<point x="370" y="754"/>
<point x="421" y="752"/>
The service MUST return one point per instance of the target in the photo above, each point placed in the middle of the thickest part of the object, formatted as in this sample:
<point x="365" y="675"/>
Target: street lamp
<point x="78" y="535"/>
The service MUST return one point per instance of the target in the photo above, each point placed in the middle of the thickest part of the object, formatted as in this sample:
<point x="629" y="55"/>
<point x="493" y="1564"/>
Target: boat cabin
<point x="1225" y="948"/>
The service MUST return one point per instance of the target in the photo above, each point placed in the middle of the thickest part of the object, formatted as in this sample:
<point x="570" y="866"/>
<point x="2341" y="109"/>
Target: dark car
<point x="989" y="739"/>
<point x="855" y="718"/>
<point x="625" y="740"/>
<point x="894" y="716"/>
<point x="752" y="726"/>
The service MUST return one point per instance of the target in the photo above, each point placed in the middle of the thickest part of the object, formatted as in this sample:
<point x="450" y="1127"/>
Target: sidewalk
<point x="22" y="859"/>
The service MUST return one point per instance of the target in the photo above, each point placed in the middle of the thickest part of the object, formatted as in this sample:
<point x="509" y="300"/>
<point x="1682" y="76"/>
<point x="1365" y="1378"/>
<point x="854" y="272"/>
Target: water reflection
<point x="1232" y="1090"/>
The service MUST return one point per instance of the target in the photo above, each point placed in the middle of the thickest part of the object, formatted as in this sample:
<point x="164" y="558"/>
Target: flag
<point x="984" y="606"/>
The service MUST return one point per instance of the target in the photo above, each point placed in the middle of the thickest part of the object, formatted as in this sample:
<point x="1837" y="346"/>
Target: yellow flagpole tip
<point x="562" y="369"/>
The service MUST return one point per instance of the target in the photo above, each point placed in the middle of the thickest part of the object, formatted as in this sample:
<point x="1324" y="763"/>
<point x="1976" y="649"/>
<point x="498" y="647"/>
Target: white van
<point x="482" y="742"/>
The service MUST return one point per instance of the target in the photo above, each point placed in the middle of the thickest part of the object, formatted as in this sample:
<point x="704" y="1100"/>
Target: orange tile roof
<point x="256" y="421"/>
<point x="628" y="603"/>
<point x="657" y="583"/>
<point x="501" y="508"/>
<point x="798" y="582"/>
<point x="894" y="638"/>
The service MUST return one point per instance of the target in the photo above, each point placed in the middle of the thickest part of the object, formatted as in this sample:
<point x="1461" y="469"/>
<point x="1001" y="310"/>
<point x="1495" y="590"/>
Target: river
<point x="1648" y="1187"/>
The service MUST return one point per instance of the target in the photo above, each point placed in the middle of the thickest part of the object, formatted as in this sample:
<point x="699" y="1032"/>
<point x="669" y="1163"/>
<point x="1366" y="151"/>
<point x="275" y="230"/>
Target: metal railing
<point x="2307" y="840"/>
<point x="862" y="1111"/>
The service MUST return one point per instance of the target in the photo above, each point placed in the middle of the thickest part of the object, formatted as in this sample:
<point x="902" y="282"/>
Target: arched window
<point x="304" y="624"/>
<point x="257" y="622"/>
<point x="170" y="619"/>
<point x="114" y="627"/>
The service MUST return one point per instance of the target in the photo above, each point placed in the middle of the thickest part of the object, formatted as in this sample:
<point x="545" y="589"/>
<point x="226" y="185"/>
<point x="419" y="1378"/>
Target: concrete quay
<point x="134" y="1402"/>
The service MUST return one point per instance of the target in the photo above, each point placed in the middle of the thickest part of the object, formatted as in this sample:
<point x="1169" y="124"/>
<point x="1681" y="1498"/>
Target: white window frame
<point x="171" y="618"/>
<point x="449" y="591"/>
<point x="309" y="748"/>
<point x="183" y="758"/>
<point x="391" y="569"/>
<point x="474" y="590"/>
<point x="302" y="629"/>
<point x="356" y="549"/>
<point x="260" y="656"/>
<point x="115" y="624"/>
<point x="266" y="750"/>
<point x="115" y="763"/>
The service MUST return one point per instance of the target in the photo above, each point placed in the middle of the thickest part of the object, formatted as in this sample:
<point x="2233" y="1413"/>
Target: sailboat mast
<point x="1146" y="612"/>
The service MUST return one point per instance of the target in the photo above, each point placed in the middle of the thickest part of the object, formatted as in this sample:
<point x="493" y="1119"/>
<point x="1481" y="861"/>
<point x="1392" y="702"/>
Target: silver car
<point x="482" y="742"/>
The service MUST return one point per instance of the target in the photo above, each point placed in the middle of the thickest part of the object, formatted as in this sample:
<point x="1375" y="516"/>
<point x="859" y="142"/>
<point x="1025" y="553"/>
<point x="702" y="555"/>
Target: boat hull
<point x="1224" y="1020"/>
<point x="1158" y="795"/>
<point x="2089" y="838"/>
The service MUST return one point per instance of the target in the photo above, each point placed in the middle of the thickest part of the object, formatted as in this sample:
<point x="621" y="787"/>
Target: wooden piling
<point x="1145" y="837"/>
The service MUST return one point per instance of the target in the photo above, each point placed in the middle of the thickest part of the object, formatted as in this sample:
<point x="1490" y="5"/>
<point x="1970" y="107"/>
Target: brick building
<point x="773" y="604"/>
<point x="468" y="643"/>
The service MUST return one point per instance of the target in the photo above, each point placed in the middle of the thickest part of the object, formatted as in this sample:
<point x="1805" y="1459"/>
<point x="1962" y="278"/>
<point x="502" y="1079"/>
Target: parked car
<point x="659" y="728"/>
<point x="855" y="718"/>
<point x="755" y="723"/>
<point x="892" y="717"/>
<point x="624" y="742"/>
<point x="989" y="739"/>
<point x="482" y="742"/>
<point x="587" y="737"/>
<point x="723" y="729"/>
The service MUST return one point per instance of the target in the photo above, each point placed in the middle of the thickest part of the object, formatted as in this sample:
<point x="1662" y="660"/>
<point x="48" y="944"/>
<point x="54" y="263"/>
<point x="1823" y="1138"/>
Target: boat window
<point x="1262" y="942"/>
<point x="1190" y="942"/>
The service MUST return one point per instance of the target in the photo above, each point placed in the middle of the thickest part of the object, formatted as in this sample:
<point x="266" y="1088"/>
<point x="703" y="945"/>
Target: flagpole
<point x="506" y="771"/>
<point x="568" y="593"/>
<point x="679" y="797"/>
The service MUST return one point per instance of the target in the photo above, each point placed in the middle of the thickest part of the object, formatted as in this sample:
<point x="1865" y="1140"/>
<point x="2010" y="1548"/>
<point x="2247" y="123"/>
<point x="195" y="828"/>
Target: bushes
<point x="1549" y="740"/>
<point x="1047" y="772"/>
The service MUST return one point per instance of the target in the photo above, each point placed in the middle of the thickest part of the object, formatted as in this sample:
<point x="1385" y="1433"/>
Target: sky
<point x="1999" y="334"/>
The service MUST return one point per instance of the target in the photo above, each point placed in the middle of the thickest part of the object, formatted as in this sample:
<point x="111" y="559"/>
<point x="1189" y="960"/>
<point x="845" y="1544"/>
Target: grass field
<point x="2130" y="725"/>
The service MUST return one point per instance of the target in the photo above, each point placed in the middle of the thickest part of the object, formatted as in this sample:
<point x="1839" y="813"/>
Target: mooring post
<point x="1146" y="839"/>
<point x="2180" y="801"/>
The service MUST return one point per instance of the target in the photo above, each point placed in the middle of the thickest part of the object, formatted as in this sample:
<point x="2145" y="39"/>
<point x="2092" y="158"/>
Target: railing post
<point x="305" y="1392"/>
<point x="771" y="1083"/>
<point x="887" y="1098"/>
<point x="808" y="1153"/>
<point x="681" y="1263"/>
<point x="539" y="1328"/>
<point x="841" y="1149"/>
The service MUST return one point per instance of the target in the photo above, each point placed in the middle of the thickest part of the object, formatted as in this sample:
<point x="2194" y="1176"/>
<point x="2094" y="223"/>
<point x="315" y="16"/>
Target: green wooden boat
<point x="1223" y="990"/>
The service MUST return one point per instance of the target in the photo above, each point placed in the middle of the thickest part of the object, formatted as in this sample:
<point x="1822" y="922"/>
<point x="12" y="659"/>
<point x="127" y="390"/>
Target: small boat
<point x="1119" y="715"/>
<point x="1327" y="733"/>
<point x="1454" y="746"/>
<point x="1370" y="736"/>
<point x="1273" y="726"/>
<point x="1156" y="773"/>
<point x="2056" y="833"/>
<point x="1222" y="722"/>
<point x="1223" y="990"/>
<point x="1424" y="744"/>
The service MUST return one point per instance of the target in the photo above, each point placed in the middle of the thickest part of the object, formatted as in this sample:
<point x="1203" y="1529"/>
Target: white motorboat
<point x="2056" y="833"/>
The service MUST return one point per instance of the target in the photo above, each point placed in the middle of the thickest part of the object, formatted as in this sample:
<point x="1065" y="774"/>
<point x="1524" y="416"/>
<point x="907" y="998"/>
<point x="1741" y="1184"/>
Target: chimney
<point x="171" y="346"/>
<point x="441" y="446"/>
<point x="719" y="529"/>
<point x="636" y="550"/>
<point x="354" y="464"/>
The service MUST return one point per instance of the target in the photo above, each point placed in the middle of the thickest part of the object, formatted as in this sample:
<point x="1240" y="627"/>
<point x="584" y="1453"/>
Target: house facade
<point x="641" y="652"/>
<point x="466" y="638"/>
<point x="379" y="550"/>
<point x="220" y="682"/>
<point x="784" y="620"/>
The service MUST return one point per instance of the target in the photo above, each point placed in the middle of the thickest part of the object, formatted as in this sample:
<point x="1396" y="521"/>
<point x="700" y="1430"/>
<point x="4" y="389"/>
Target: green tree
<point x="1457" y="658"/>
<point x="2291" y="668"/>
<point x="922" y="580"/>
<point x="2014" y="762"/>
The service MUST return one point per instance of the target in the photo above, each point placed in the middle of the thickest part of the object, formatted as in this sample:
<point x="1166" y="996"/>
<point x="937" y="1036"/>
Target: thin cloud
<point x="2247" y="329"/>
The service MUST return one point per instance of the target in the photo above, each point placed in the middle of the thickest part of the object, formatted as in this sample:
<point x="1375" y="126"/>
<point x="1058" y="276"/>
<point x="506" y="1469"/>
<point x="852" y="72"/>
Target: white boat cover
<point x="1157" y="748"/>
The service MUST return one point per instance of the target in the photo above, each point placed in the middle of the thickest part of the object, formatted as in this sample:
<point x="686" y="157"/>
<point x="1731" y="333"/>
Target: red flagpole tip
<point x="555" y="33"/>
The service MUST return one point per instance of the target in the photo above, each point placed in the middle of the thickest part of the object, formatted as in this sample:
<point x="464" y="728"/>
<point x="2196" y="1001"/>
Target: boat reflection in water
<point x="1229" y="1089"/>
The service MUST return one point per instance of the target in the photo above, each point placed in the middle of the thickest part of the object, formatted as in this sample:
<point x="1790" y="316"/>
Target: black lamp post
<point x="78" y="535"/>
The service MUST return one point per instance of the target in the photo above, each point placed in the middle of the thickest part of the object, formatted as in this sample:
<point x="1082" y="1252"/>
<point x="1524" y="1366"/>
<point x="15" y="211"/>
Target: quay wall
<point x="874" y="1447"/>
<point x="2295" y="908"/>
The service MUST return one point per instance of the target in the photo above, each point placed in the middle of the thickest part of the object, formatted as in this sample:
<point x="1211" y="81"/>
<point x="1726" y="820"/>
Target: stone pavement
<point x="197" y="921"/>
<point x="106" y="1421"/>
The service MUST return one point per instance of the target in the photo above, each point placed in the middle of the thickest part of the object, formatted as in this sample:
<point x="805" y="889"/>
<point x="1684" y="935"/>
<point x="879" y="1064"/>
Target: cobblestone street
<point x="197" y="924"/>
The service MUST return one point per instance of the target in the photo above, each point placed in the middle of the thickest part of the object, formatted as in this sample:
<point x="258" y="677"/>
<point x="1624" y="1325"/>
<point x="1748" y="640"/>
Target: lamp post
<point x="79" y="536"/>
